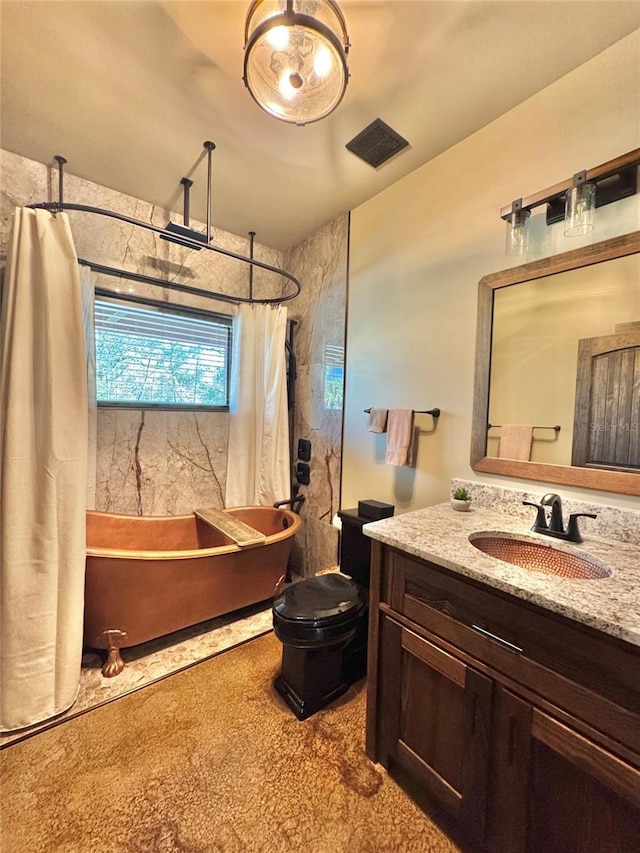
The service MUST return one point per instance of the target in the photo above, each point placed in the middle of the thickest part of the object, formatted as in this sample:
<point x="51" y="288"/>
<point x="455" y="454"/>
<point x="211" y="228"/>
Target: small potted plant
<point x="461" y="499"/>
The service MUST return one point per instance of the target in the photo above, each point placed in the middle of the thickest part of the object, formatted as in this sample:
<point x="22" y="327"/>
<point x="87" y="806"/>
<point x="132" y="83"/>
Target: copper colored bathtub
<point x="150" y="575"/>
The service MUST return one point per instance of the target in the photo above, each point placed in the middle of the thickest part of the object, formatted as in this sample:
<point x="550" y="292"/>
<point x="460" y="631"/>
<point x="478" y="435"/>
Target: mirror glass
<point x="534" y="324"/>
<point x="534" y="352"/>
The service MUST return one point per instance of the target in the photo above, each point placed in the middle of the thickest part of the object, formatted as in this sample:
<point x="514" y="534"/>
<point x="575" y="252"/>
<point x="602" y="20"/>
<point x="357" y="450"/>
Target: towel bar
<point x="557" y="427"/>
<point x="433" y="412"/>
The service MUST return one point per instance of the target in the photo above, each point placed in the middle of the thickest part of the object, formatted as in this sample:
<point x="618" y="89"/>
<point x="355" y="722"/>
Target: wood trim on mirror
<point x="622" y="482"/>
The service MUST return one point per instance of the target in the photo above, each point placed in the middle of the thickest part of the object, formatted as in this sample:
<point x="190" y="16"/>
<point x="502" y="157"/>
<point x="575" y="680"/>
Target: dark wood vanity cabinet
<point x="467" y="710"/>
<point x="555" y="790"/>
<point x="449" y="757"/>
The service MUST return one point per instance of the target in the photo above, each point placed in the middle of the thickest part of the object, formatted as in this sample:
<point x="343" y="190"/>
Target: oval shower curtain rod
<point x="184" y="240"/>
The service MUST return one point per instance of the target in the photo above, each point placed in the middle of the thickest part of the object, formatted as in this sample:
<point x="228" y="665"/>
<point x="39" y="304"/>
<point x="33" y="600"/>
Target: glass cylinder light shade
<point x="295" y="63"/>
<point x="517" y="240"/>
<point x="579" y="210"/>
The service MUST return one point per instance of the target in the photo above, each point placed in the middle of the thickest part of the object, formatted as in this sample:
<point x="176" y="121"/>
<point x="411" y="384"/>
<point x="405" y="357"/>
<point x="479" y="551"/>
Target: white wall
<point x="419" y="248"/>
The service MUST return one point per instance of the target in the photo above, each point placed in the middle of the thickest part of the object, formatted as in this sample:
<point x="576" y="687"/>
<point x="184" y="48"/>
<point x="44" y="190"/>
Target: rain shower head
<point x="182" y="231"/>
<point x="178" y="233"/>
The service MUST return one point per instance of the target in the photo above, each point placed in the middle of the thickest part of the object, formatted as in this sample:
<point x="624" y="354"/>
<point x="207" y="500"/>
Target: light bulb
<point x="322" y="62"/>
<point x="286" y="84"/>
<point x="278" y="38"/>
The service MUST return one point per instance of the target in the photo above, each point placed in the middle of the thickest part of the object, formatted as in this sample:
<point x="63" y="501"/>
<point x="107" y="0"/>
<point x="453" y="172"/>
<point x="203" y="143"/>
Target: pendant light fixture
<point x="295" y="61"/>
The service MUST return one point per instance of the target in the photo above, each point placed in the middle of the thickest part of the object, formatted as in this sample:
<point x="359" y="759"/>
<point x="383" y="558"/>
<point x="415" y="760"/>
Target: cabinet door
<point x="554" y="790"/>
<point x="435" y="724"/>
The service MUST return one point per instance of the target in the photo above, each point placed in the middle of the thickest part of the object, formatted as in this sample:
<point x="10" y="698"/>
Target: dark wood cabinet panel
<point x="434" y="718"/>
<point x="427" y="695"/>
<point x="565" y="662"/>
<point x="588" y="657"/>
<point x="523" y="758"/>
<point x="617" y="722"/>
<point x="582" y="798"/>
<point x="552" y="790"/>
<point x="508" y="808"/>
<point x="477" y="736"/>
<point x="598" y="763"/>
<point x="573" y="811"/>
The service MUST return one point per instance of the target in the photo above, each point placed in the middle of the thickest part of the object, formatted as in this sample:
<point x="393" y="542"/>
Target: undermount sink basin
<point x="539" y="557"/>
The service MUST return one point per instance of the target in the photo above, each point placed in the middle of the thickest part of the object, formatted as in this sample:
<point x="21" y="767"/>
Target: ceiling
<point x="129" y="91"/>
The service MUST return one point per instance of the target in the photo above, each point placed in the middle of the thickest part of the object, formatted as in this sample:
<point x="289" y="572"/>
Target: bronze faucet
<point x="555" y="525"/>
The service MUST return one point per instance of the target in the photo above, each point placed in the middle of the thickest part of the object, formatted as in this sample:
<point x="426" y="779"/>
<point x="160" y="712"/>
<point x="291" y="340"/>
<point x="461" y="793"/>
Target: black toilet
<point x="323" y="622"/>
<point x="315" y="620"/>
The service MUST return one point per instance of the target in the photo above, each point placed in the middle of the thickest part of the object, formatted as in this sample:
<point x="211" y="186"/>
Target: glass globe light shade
<point x="580" y="210"/>
<point x="295" y="64"/>
<point x="517" y="237"/>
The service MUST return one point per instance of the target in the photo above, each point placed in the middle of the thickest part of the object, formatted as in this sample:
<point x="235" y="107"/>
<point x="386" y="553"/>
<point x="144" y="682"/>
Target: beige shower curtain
<point x="88" y="290"/>
<point x="258" y="467"/>
<point x="43" y="459"/>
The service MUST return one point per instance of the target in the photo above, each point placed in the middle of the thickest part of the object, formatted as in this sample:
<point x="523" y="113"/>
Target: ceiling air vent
<point x="376" y="143"/>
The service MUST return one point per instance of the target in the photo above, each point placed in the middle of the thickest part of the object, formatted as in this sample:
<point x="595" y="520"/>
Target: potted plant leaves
<point x="461" y="499"/>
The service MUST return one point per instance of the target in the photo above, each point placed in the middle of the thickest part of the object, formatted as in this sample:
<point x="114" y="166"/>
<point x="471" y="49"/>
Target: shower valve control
<point x="304" y="449"/>
<point x="303" y="473"/>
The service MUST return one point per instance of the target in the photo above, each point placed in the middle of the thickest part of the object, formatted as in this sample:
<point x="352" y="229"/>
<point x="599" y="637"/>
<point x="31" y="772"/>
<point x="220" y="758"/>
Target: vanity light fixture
<point x="580" y="206"/>
<point x="573" y="200"/>
<point x="517" y="240"/>
<point x="295" y="60"/>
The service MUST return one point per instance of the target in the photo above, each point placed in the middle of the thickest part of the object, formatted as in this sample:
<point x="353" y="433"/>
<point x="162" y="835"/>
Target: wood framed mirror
<point x="531" y="320"/>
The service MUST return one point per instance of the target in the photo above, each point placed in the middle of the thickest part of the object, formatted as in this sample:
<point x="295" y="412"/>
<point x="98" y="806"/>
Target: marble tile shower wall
<point x="320" y="262"/>
<point x="154" y="462"/>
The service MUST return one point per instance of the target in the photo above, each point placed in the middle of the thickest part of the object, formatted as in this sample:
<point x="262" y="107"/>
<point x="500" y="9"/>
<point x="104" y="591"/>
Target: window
<point x="151" y="355"/>
<point x="333" y="376"/>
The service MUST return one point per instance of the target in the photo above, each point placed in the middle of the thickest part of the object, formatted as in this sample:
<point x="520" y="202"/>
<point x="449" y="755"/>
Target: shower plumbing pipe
<point x="296" y="500"/>
<point x="187" y="184"/>
<point x="210" y="146"/>
<point x="60" y="161"/>
<point x="252" y="236"/>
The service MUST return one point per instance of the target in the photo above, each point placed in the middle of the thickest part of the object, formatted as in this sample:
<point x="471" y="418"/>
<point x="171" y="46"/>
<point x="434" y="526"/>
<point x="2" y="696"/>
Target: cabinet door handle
<point x="495" y="637"/>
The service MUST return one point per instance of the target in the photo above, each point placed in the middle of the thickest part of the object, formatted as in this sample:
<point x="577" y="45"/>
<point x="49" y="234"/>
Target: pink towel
<point x="515" y="441"/>
<point x="400" y="437"/>
<point x="378" y="420"/>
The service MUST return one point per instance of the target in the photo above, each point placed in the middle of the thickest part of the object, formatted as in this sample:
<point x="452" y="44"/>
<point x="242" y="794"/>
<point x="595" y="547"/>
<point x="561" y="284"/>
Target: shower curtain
<point x="258" y="467"/>
<point x="88" y="290"/>
<point x="43" y="469"/>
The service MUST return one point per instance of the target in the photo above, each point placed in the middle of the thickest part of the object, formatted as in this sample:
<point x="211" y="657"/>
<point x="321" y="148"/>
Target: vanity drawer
<point x="569" y="664"/>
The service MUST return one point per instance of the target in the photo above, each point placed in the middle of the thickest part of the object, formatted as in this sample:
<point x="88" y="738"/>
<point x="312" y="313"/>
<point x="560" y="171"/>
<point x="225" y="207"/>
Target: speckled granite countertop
<point x="441" y="534"/>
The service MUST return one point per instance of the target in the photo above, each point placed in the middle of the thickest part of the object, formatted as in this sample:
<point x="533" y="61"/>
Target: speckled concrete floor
<point x="147" y="662"/>
<point x="209" y="759"/>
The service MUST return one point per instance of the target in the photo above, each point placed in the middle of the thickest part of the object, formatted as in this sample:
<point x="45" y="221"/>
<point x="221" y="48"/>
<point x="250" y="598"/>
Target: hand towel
<point x="400" y="437"/>
<point x="515" y="441"/>
<point x="378" y="420"/>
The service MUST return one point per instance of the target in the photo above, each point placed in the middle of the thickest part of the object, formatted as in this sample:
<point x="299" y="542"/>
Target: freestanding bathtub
<point x="147" y="576"/>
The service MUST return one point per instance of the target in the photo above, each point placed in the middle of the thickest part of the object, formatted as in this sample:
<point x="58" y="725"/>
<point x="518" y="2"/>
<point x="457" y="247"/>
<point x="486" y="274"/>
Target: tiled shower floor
<point x="149" y="661"/>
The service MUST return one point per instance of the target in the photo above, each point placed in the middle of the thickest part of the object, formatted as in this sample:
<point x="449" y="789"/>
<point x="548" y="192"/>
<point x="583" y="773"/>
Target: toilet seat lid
<point x="318" y="599"/>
